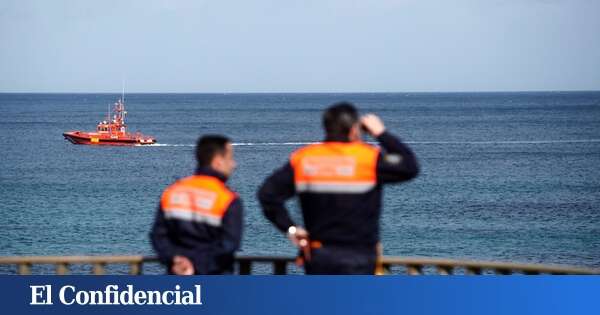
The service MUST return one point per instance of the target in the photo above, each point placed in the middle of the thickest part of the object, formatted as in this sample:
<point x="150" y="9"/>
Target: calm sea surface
<point x="505" y="176"/>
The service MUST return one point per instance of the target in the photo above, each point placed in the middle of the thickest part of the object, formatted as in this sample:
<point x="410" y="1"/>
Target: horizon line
<point x="306" y="92"/>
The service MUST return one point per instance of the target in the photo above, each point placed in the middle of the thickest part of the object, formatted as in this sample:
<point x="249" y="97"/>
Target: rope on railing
<point x="413" y="265"/>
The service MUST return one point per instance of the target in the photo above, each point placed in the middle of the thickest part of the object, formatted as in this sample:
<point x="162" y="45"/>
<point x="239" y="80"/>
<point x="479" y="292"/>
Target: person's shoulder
<point x="236" y="199"/>
<point x="233" y="194"/>
<point x="303" y="150"/>
<point x="202" y="182"/>
<point x="308" y="147"/>
<point x="182" y="182"/>
<point x="172" y="187"/>
<point x="365" y="147"/>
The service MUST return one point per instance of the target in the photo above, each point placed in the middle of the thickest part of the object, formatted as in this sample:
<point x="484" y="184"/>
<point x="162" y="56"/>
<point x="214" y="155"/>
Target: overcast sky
<point x="299" y="45"/>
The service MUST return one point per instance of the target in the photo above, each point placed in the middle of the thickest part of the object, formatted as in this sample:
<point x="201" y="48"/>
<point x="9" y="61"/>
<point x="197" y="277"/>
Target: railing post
<point x="414" y="270"/>
<point x="135" y="268"/>
<point x="279" y="267"/>
<point x="382" y="269"/>
<point x="62" y="269"/>
<point x="444" y="270"/>
<point x="98" y="269"/>
<point x="24" y="269"/>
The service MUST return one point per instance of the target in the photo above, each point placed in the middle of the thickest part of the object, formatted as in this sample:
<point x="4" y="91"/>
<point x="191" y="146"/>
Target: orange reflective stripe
<point x="335" y="167"/>
<point x="197" y="198"/>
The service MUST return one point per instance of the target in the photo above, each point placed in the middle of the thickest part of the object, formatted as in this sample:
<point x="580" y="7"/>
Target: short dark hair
<point x="339" y="118"/>
<point x="208" y="146"/>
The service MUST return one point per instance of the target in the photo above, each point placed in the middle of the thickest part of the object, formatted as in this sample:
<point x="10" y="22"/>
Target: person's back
<point x="198" y="224"/>
<point x="339" y="184"/>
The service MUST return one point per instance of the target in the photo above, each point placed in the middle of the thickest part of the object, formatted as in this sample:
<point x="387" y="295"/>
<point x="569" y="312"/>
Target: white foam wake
<point x="506" y="141"/>
<point x="408" y="142"/>
<point x="167" y="145"/>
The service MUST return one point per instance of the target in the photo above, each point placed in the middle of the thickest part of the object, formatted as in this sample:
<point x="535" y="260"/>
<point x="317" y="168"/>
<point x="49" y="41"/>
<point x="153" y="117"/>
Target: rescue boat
<point x="110" y="132"/>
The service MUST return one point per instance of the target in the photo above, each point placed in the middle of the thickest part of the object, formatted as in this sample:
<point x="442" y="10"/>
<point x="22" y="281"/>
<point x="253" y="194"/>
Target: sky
<point x="299" y="46"/>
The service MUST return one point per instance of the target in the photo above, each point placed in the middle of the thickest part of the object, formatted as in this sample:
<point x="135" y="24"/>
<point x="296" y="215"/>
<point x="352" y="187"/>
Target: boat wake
<point x="166" y="145"/>
<point x="506" y="142"/>
<point x="499" y="142"/>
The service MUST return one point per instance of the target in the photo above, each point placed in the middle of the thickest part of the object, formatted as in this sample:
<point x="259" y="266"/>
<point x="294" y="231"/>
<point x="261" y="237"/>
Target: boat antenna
<point x="123" y="90"/>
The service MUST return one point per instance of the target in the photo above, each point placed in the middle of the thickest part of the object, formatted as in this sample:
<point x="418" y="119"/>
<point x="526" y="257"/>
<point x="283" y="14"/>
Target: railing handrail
<point x="106" y="259"/>
<point x="414" y="265"/>
<point x="492" y="265"/>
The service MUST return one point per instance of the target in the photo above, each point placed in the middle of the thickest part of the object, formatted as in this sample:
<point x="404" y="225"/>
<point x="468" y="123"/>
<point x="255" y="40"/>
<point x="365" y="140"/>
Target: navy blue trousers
<point x="341" y="260"/>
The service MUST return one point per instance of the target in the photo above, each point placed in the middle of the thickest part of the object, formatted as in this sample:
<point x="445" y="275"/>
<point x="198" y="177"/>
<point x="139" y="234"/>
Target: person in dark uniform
<point x="339" y="183"/>
<point x="198" y="225"/>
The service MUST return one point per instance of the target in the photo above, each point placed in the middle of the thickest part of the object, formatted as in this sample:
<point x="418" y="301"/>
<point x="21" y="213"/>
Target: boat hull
<point x="86" y="139"/>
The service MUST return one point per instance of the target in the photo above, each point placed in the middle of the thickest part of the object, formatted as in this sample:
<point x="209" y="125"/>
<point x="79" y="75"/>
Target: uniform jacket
<point x="339" y="185"/>
<point x="201" y="218"/>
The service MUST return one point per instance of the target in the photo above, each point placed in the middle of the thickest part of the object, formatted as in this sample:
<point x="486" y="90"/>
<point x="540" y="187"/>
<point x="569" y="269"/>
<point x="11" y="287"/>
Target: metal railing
<point x="409" y="265"/>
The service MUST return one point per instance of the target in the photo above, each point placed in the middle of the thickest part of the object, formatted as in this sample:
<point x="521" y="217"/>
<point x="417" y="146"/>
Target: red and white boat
<point x="110" y="132"/>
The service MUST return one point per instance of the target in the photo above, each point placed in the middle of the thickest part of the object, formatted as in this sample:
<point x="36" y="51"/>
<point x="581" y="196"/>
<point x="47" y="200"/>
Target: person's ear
<point x="355" y="133"/>
<point x="217" y="162"/>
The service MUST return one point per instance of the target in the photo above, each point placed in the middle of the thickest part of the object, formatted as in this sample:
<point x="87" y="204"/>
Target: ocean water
<point x="505" y="176"/>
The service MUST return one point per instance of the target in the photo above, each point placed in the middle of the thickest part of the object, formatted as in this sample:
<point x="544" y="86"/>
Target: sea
<point x="504" y="176"/>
